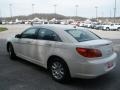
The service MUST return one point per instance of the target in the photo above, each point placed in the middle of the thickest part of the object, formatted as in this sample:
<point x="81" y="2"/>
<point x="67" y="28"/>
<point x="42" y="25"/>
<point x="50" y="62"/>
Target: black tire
<point x="107" y="29"/>
<point x="60" y="73"/>
<point x="118" y="29"/>
<point x="11" y="52"/>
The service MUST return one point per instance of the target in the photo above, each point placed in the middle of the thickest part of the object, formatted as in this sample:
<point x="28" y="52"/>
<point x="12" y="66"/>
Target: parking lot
<point x="22" y="75"/>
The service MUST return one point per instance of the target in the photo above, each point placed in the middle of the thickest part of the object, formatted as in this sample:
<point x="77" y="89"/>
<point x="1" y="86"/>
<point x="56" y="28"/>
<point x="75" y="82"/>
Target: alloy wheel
<point x="57" y="70"/>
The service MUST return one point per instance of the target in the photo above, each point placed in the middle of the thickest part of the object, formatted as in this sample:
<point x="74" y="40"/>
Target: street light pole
<point x="110" y="13"/>
<point x="33" y="8"/>
<point x="96" y="12"/>
<point x="10" y="7"/>
<point x="76" y="7"/>
<point x="0" y="14"/>
<point x="115" y="11"/>
<point x="102" y="14"/>
<point x="55" y="9"/>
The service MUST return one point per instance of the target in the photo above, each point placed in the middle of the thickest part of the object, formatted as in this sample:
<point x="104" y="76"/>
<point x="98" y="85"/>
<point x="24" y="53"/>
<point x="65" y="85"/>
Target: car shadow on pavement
<point x="103" y="81"/>
<point x="3" y="52"/>
<point x="32" y="65"/>
<point x="90" y="84"/>
<point x="99" y="82"/>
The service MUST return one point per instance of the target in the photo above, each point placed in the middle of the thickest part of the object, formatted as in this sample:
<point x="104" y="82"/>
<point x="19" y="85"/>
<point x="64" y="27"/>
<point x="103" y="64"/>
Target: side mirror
<point x="18" y="36"/>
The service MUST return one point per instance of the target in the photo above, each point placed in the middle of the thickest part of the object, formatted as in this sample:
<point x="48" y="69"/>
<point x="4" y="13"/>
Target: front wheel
<point x="59" y="71"/>
<point x="11" y="52"/>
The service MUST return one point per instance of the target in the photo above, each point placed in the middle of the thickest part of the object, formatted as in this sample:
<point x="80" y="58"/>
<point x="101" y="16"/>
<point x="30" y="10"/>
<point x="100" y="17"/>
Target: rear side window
<point x="82" y="35"/>
<point x="45" y="34"/>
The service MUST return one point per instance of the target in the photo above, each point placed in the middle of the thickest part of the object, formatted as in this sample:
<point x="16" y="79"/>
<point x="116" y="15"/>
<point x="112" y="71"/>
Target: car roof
<point x="56" y="27"/>
<point x="59" y="29"/>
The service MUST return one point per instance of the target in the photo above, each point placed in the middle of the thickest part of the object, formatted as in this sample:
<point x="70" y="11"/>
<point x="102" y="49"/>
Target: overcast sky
<point x="65" y="7"/>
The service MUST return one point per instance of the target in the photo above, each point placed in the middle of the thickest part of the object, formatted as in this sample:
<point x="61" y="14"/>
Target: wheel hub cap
<point x="57" y="70"/>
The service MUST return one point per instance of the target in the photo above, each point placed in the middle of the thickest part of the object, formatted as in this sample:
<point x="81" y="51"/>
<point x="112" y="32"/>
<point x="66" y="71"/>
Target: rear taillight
<point x="89" y="53"/>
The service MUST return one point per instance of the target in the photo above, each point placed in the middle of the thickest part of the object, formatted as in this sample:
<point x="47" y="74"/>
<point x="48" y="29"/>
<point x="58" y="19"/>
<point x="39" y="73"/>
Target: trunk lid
<point x="105" y="46"/>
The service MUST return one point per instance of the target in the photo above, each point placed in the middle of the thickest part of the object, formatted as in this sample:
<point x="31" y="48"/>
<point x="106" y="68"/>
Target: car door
<point x="45" y="43"/>
<point x="112" y="26"/>
<point x="26" y="45"/>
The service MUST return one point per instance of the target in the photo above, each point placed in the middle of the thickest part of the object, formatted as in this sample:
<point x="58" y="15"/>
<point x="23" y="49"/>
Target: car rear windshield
<point x="82" y="35"/>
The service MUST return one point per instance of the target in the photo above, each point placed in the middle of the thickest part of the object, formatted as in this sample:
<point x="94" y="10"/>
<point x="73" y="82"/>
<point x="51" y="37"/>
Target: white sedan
<point x="64" y="50"/>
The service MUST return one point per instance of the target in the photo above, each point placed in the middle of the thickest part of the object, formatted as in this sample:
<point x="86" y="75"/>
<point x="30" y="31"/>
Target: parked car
<point x="64" y="50"/>
<point x="0" y="21"/>
<point x="98" y="27"/>
<point x="111" y="27"/>
<point x="38" y="22"/>
<point x="5" y="22"/>
<point x="10" y="22"/>
<point x="88" y="25"/>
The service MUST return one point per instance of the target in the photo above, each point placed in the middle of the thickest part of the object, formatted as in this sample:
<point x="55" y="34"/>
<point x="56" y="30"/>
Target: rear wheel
<point x="59" y="70"/>
<point x="11" y="52"/>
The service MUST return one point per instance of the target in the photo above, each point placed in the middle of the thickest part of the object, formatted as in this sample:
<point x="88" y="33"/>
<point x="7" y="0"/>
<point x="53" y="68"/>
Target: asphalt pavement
<point x="22" y="75"/>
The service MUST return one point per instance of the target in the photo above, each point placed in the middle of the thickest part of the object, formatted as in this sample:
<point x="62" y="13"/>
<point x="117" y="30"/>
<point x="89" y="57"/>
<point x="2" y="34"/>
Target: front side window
<point x="45" y="34"/>
<point x="29" y="33"/>
<point x="82" y="35"/>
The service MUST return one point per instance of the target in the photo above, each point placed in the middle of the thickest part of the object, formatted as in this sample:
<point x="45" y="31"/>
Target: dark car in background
<point x="0" y="21"/>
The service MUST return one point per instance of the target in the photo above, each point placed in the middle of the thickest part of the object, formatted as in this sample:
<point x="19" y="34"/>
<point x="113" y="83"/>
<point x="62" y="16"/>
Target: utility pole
<point x="0" y="14"/>
<point x="115" y="12"/>
<point x="55" y="5"/>
<point x="110" y="13"/>
<point x="76" y="11"/>
<point x="33" y="8"/>
<point x="55" y="8"/>
<point x="10" y="8"/>
<point x="96" y="12"/>
<point x="102" y="14"/>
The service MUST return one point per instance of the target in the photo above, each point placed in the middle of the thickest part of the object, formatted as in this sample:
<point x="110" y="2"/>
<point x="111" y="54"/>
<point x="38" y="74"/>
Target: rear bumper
<point x="94" y="68"/>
